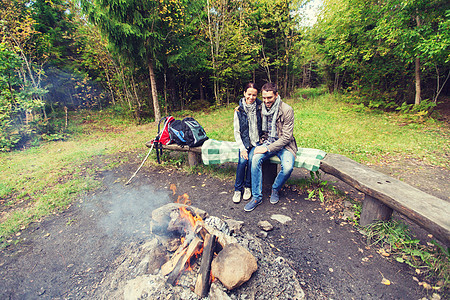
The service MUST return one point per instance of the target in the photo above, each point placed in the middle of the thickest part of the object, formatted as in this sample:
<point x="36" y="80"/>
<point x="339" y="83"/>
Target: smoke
<point x="125" y="212"/>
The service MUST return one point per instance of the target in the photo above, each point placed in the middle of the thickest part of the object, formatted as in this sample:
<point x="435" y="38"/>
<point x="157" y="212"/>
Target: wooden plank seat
<point x="383" y="194"/>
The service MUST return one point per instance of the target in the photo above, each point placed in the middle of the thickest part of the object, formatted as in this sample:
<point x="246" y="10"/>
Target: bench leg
<point x="269" y="172"/>
<point x="193" y="158"/>
<point x="374" y="210"/>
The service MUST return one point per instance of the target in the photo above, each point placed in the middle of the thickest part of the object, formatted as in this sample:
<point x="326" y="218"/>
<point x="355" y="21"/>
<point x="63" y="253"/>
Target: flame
<point x="212" y="278"/>
<point x="184" y="199"/>
<point x="185" y="213"/>
<point x="192" y="218"/>
<point x="195" y="255"/>
<point x="173" y="188"/>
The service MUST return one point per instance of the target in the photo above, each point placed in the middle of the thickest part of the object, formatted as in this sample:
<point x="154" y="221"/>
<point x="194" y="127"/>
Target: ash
<point x="136" y="273"/>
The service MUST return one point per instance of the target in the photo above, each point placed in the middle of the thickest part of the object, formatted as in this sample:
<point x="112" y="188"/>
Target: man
<point x="278" y="139"/>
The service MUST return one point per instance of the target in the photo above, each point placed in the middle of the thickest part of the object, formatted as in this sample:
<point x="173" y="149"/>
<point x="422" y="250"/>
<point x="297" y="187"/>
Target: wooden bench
<point x="194" y="158"/>
<point x="383" y="194"/>
<point x="194" y="153"/>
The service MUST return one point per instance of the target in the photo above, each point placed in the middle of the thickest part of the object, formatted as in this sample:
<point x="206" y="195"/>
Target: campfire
<point x="203" y="248"/>
<point x="190" y="254"/>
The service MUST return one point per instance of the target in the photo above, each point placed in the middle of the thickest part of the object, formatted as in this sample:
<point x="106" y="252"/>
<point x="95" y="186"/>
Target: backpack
<point x="187" y="132"/>
<point x="163" y="136"/>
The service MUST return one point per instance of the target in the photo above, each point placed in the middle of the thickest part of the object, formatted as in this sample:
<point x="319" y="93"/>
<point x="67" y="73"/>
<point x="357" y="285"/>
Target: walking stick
<point x="151" y="148"/>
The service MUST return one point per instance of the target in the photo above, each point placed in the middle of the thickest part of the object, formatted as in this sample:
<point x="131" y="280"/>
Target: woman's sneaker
<point x="247" y="194"/>
<point x="237" y="196"/>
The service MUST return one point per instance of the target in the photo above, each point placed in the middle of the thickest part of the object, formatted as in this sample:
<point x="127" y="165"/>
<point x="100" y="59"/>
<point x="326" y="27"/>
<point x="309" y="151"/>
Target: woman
<point x="247" y="132"/>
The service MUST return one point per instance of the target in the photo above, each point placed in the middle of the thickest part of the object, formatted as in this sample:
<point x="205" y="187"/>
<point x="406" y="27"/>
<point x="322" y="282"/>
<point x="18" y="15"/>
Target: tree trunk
<point x="138" y="112"/>
<point x="417" y="72"/>
<point x="154" y="91"/>
<point x="201" y="91"/>
<point x="165" y="92"/>
<point x="211" y="40"/>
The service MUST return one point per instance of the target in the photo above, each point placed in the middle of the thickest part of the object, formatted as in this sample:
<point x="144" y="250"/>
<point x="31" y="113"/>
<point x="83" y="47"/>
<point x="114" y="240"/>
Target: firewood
<point x="172" y="262"/>
<point x="192" y="249"/>
<point x="200" y="230"/>
<point x="203" y="283"/>
<point x="222" y="239"/>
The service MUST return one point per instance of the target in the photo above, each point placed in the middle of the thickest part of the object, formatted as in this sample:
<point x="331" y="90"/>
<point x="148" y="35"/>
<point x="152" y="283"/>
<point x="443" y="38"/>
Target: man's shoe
<point x="237" y="196"/>
<point x="252" y="204"/>
<point x="275" y="197"/>
<point x="247" y="194"/>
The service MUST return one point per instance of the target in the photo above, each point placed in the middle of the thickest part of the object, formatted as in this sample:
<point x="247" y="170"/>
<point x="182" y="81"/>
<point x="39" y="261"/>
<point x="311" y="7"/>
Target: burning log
<point x="204" y="278"/>
<point x="222" y="239"/>
<point x="176" y="257"/>
<point x="193" y="249"/>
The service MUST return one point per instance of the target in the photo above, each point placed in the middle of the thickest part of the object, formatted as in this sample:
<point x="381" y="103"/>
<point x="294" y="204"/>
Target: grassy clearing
<point x="36" y="181"/>
<point x="39" y="181"/>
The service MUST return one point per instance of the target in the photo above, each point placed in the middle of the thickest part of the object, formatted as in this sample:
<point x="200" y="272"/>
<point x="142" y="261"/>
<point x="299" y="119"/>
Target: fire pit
<point x="193" y="255"/>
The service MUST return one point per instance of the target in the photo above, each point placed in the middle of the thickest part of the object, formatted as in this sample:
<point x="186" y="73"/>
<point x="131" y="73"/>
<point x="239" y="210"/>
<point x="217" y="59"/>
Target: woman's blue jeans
<point x="243" y="177"/>
<point x="287" y="165"/>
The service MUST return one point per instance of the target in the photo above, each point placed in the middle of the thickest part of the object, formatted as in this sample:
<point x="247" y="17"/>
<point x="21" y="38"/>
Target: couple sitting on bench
<point x="262" y="129"/>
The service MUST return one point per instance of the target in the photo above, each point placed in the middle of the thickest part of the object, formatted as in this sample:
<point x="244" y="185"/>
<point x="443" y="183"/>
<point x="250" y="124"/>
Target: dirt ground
<point x="67" y="255"/>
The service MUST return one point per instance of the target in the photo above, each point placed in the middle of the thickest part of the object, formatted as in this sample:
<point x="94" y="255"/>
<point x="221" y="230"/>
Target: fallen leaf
<point x="418" y="271"/>
<point x="426" y="285"/>
<point x="383" y="252"/>
<point x="385" y="281"/>
<point x="415" y="279"/>
<point x="400" y="259"/>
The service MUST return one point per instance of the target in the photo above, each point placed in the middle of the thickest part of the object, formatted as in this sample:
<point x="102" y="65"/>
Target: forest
<point x="142" y="59"/>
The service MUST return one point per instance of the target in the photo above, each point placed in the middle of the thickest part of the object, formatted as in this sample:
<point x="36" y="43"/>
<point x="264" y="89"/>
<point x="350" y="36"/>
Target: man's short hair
<point x="270" y="86"/>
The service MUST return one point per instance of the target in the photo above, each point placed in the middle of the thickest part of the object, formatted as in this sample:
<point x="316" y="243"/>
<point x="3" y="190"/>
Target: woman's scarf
<point x="250" y="110"/>
<point x="273" y="113"/>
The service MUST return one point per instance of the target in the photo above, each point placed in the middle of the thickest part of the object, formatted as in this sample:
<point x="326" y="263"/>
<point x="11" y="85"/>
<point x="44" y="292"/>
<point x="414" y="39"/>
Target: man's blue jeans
<point x="287" y="165"/>
<point x="243" y="178"/>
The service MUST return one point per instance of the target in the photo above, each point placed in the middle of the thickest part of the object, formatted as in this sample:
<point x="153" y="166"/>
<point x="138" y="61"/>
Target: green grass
<point x="40" y="180"/>
<point x="394" y="239"/>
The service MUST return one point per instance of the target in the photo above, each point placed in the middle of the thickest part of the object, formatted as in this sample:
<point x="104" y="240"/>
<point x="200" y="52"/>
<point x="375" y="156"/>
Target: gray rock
<point x="348" y="215"/>
<point x="262" y="234"/>
<point x="265" y="225"/>
<point x="234" y="226"/>
<point x="162" y="216"/>
<point x="347" y="204"/>
<point x="281" y="218"/>
<point x="217" y="292"/>
<point x="233" y="266"/>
